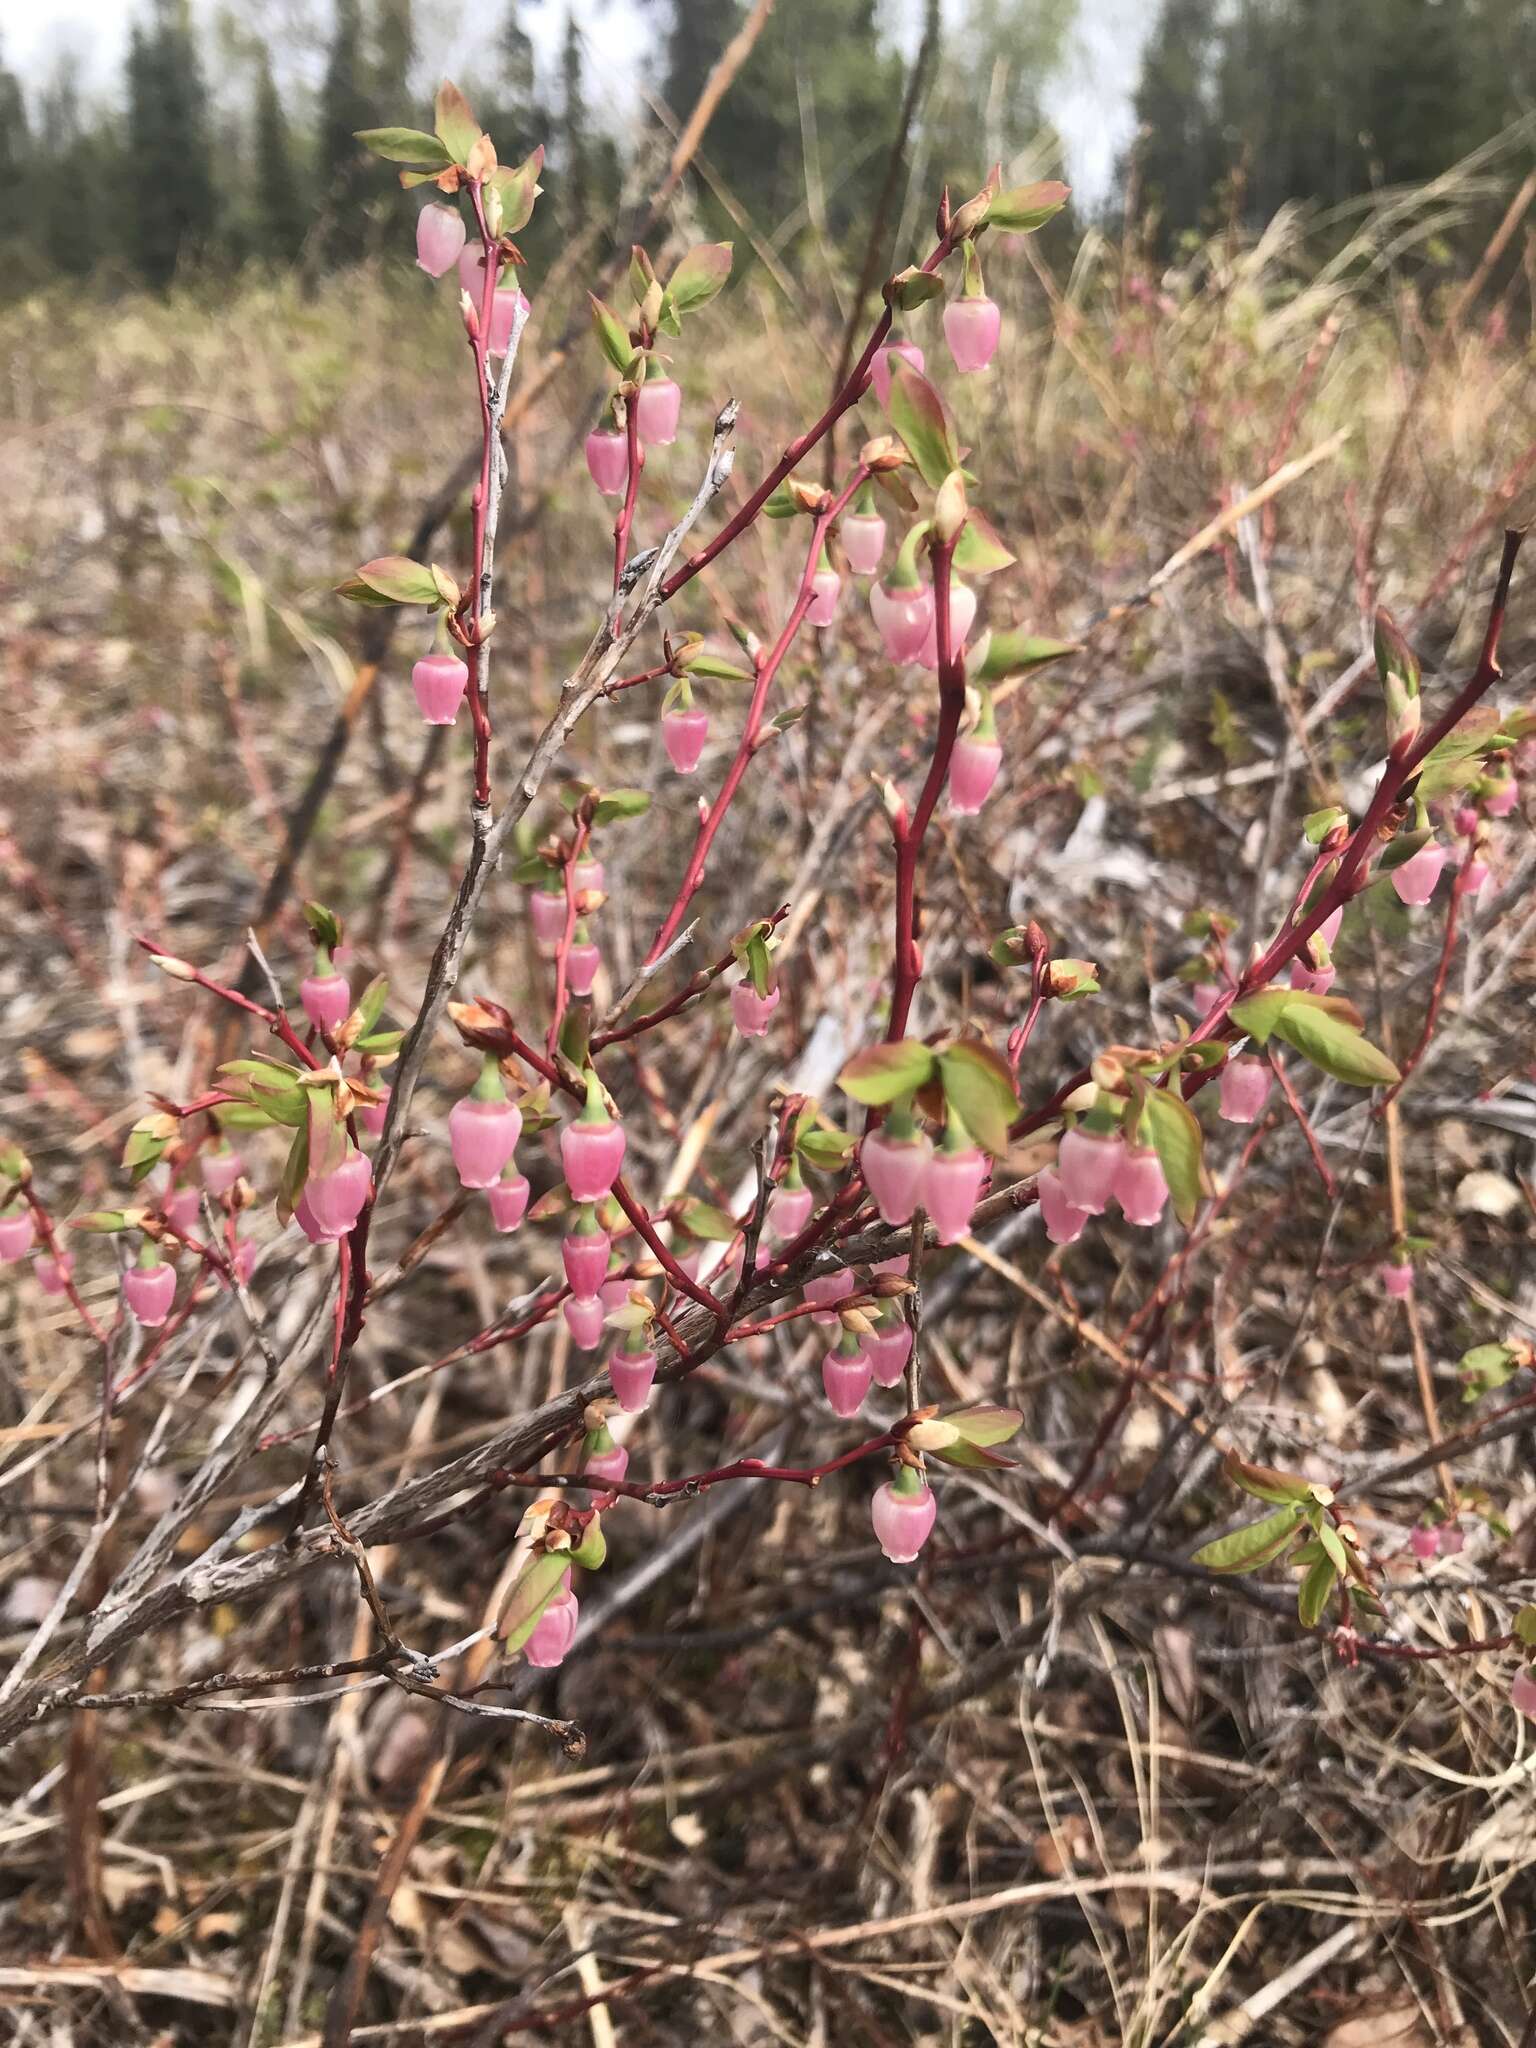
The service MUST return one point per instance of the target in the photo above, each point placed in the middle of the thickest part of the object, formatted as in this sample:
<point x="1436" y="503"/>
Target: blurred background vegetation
<point x="226" y="137"/>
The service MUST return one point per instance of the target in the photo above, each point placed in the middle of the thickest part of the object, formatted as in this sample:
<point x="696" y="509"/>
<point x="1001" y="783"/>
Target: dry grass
<point x="1058" y="1788"/>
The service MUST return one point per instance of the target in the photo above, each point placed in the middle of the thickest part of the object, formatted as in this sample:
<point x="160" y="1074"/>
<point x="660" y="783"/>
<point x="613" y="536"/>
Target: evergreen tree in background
<point x="173" y="205"/>
<point x="346" y="174"/>
<point x="282" y="216"/>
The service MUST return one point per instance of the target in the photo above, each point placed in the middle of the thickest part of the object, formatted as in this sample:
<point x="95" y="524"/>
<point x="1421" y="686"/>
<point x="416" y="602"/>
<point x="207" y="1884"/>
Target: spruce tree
<point x="282" y="215"/>
<point x="345" y="171"/>
<point x="173" y="202"/>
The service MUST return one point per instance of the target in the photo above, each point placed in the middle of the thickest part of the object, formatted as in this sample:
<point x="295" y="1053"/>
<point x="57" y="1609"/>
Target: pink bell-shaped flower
<point x="483" y="1128"/>
<point x="903" y="1512"/>
<point x="1397" y="1278"/>
<point x="750" y="1012"/>
<point x="962" y="616"/>
<point x="553" y="1633"/>
<point x="508" y="310"/>
<point x="581" y="964"/>
<point x="584" y="1253"/>
<point x="16" y="1234"/>
<point x="304" y="1216"/>
<point x="631" y="1375"/>
<point x="439" y="238"/>
<point x="1475" y="875"/>
<point x="336" y="1199"/>
<point x="903" y="615"/>
<point x="889" y="1348"/>
<point x="846" y="1373"/>
<point x="1244" y="1090"/>
<point x="1328" y="930"/>
<point x="584" y="1319"/>
<point x="547" y="911"/>
<point x="1522" y="1692"/>
<point x="900" y="1265"/>
<point x="181" y="1209"/>
<point x="508" y="1200"/>
<point x="1415" y="879"/>
<point x="1501" y="799"/>
<point x="789" y="1208"/>
<point x="1424" y="1543"/>
<point x="608" y="461"/>
<point x="439" y="681"/>
<point x="893" y="1161"/>
<point x="952" y="1183"/>
<point x="149" y="1290"/>
<point x="243" y="1260"/>
<point x="592" y="1148"/>
<point x="587" y="876"/>
<point x="220" y="1170"/>
<point x="863" y="541"/>
<point x="826" y="588"/>
<point x="1205" y="995"/>
<point x="602" y="1458"/>
<point x="1140" y="1187"/>
<point x="373" y="1115"/>
<point x="683" y="734"/>
<point x="881" y="368"/>
<point x="326" y="996"/>
<point x="1063" y="1222"/>
<point x="1312" y="981"/>
<point x="1087" y="1163"/>
<point x="658" y="409"/>
<point x="1453" y="1541"/>
<point x="53" y="1273"/>
<point x="972" y="771"/>
<point x="472" y="271"/>
<point x="825" y="1289"/>
<point x="972" y="328"/>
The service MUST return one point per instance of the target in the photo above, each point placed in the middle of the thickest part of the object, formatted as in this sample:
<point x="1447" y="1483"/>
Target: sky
<point x="1090" y="102"/>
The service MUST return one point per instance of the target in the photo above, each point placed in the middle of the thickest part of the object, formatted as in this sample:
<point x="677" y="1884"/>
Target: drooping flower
<point x="826" y="588"/>
<point x="1140" y="1187"/>
<point x="16" y="1233"/>
<point x="149" y="1287"/>
<point x="886" y="356"/>
<point x="972" y="327"/>
<point x="584" y="1252"/>
<point x="1414" y="881"/>
<point x="632" y="1371"/>
<point x="1245" y="1084"/>
<point x="508" y="1198"/>
<point x="1063" y="1222"/>
<point x="439" y="238"/>
<point x="752" y="1013"/>
<point x="483" y="1128"/>
<point x="903" y="1512"/>
<point x="952" y="1182"/>
<point x="889" y="1347"/>
<point x="683" y="733"/>
<point x="962" y="616"/>
<point x="825" y="1289"/>
<point x="1087" y="1162"/>
<point x="592" y="1148"/>
<point x="325" y="994"/>
<point x="863" y="534"/>
<point x="439" y="681"/>
<point x="53" y="1273"/>
<point x="846" y="1372"/>
<point x="582" y="962"/>
<point x="893" y="1161"/>
<point x="657" y="412"/>
<point x="553" y="1632"/>
<point x="584" y="1319"/>
<point x="1397" y="1278"/>
<point x="336" y="1199"/>
<point x="608" y="461"/>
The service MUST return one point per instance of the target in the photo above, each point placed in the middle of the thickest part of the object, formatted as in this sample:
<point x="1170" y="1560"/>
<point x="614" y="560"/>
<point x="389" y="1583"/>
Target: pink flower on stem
<point x="1397" y="1278"/>
<point x="1501" y="799"/>
<point x="602" y="1458"/>
<point x="750" y="1012"/>
<point x="893" y="1161"/>
<point x="592" y="1148"/>
<point x="1063" y="1222"/>
<point x="439" y="681"/>
<point x="1452" y="1540"/>
<point x="584" y="1320"/>
<point x="149" y="1288"/>
<point x="1477" y="873"/>
<point x="1415" y="879"/>
<point x="582" y="963"/>
<point x="903" y="1512"/>
<point x="1424" y="1543"/>
<point x="587" y="877"/>
<point x="631" y="1374"/>
<point x="507" y="309"/>
<point x="826" y="588"/>
<point x="326" y="995"/>
<point x="1328" y="930"/>
<point x="886" y="356"/>
<point x="553" y="1633"/>
<point x="336" y="1199"/>
<point x="584" y="1253"/>
<point x="889" y="1348"/>
<point x="243" y="1259"/>
<point x="971" y="328"/>
<point x="952" y="1182"/>
<point x="220" y="1170"/>
<point x="483" y="1128"/>
<point x="973" y="769"/>
<point x="962" y="616"/>
<point x="508" y="1199"/>
<point x="1140" y="1187"/>
<point x="439" y="238"/>
<point x="824" y="1290"/>
<point x="1522" y="1692"/>
<point x="789" y="1207"/>
<point x="304" y="1216"/>
<point x="863" y="542"/>
<point x="16" y="1233"/>
<point x="372" y="1115"/>
<point x="657" y="412"/>
<point x="1312" y="981"/>
<point x="181" y="1209"/>
<point x="846" y="1372"/>
<point x="1245" y="1087"/>
<point x="1087" y="1163"/>
<point x="903" y="613"/>
<point x="608" y="461"/>
<point x="546" y="911"/>
<point x="683" y="734"/>
<point x="472" y="271"/>
<point x="53" y="1273"/>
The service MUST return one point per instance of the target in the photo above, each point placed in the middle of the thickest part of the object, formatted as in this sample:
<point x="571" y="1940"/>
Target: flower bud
<point x="845" y="1377"/>
<point x="683" y="734"/>
<point x="750" y="1012"/>
<point x="327" y="1000"/>
<point x="1397" y="1278"/>
<point x="893" y="1167"/>
<point x="592" y="1149"/>
<point x="1415" y="878"/>
<point x="903" y="1520"/>
<point x="608" y="461"/>
<point x="373" y="1115"/>
<point x="973" y="769"/>
<point x="483" y="1130"/>
<point x="904" y="617"/>
<point x="508" y="1199"/>
<point x="220" y="1170"/>
<point x="1087" y="1164"/>
<point x="1424" y="1543"/>
<point x="889" y="1349"/>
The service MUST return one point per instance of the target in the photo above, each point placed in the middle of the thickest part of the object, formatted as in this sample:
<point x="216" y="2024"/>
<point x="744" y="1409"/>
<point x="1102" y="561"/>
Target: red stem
<point x="479" y="699"/>
<point x="626" y="518"/>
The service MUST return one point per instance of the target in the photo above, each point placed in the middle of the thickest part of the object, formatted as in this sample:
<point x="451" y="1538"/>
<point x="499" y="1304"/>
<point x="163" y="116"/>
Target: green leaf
<point x="980" y="550"/>
<point x="986" y="1425"/>
<point x="699" y="661"/>
<point x="1259" y="1543"/>
<point x="242" y="1116"/>
<point x="1264" y="1483"/>
<point x="1333" y="1045"/>
<point x="377" y="1043"/>
<point x="1180" y="1146"/>
<point x="1333" y="1545"/>
<point x="530" y="1596"/>
<point x="519" y="187"/>
<point x="883" y="1073"/>
<point x="290" y="1183"/>
<point x="825" y="1151"/>
<point x="370" y="1005"/>
<point x="977" y="1083"/>
<point x="620" y="803"/>
<point x="1024" y="208"/>
<point x="697" y="278"/>
<point x="1525" y="1627"/>
<point x="106" y="1222"/>
<point x="1312" y="1595"/>
<point x="612" y="335"/>
<point x="456" y="126"/>
<point x="1402" y="848"/>
<point x="976" y="1456"/>
<point x="703" y="1219"/>
<point x="917" y="413"/>
<point x="1257" y="1015"/>
<point x="394" y="579"/>
<point x="406" y="146"/>
<point x="1318" y="824"/>
<point x="1014" y="652"/>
